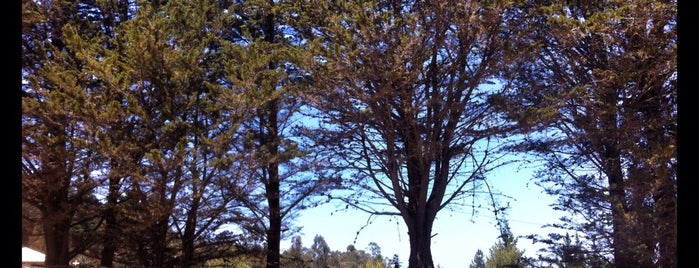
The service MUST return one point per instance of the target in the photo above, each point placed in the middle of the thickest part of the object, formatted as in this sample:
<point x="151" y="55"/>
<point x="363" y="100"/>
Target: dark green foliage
<point x="566" y="252"/>
<point x="158" y="126"/>
<point x="58" y="147"/>
<point x="265" y="61"/>
<point x="177" y="133"/>
<point x="478" y="260"/>
<point x="395" y="261"/>
<point x="595" y="88"/>
<point x="320" y="255"/>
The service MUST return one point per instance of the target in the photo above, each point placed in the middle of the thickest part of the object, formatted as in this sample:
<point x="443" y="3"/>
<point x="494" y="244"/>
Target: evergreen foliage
<point x="505" y="253"/>
<point x="402" y="104"/>
<point x="186" y="133"/>
<point x="299" y="256"/>
<point x="594" y="86"/>
<point x="395" y="261"/>
<point x="566" y="252"/>
<point x="478" y="260"/>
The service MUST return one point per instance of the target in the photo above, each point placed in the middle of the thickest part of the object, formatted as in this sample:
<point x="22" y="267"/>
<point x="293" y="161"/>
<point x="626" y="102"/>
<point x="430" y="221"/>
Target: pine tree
<point x="400" y="89"/>
<point x="505" y="253"/>
<point x="156" y="125"/>
<point x="295" y="256"/>
<point x="478" y="260"/>
<point x="59" y="159"/>
<point x="395" y="261"/>
<point x="594" y="85"/>
<point x="265" y="64"/>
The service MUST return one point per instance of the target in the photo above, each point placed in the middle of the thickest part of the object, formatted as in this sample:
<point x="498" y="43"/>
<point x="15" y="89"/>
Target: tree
<point x="595" y="83"/>
<point x="402" y="107"/>
<point x="158" y="126"/>
<point x="320" y="251"/>
<point x="93" y="107"/>
<point x="374" y="250"/>
<point x="564" y="252"/>
<point x="113" y="137"/>
<point x="296" y="256"/>
<point x="478" y="260"/>
<point x="161" y="94"/>
<point x="395" y="261"/>
<point x="140" y="104"/>
<point x="214" y="170"/>
<point x="505" y="253"/>
<point x="57" y="148"/>
<point x="143" y="103"/>
<point x="320" y="255"/>
<point x="265" y="64"/>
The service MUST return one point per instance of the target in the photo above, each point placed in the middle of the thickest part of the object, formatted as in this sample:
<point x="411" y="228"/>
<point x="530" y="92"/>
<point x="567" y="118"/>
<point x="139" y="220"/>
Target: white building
<point x="32" y="258"/>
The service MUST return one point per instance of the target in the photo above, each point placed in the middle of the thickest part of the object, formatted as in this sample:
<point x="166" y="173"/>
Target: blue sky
<point x="457" y="234"/>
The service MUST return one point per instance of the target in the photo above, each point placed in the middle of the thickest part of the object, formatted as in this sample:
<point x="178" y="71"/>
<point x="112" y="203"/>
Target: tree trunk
<point x="664" y="192"/>
<point x="189" y="233"/>
<point x="275" y="220"/>
<point x="112" y="231"/>
<point x="420" y="234"/>
<point x="666" y="201"/>
<point x="272" y="191"/>
<point x="57" y="238"/>
<point x="57" y="212"/>
<point x="110" y="243"/>
<point x="619" y="244"/>
<point x="270" y="141"/>
<point x="160" y="243"/>
<point x="608" y="147"/>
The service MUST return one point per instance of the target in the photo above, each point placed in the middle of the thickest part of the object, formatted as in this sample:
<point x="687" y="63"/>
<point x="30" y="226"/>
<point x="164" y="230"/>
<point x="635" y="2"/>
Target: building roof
<point x="30" y="256"/>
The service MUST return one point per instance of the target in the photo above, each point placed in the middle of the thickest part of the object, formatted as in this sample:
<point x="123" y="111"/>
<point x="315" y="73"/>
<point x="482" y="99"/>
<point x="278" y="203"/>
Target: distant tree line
<point x="180" y="133"/>
<point x="319" y="255"/>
